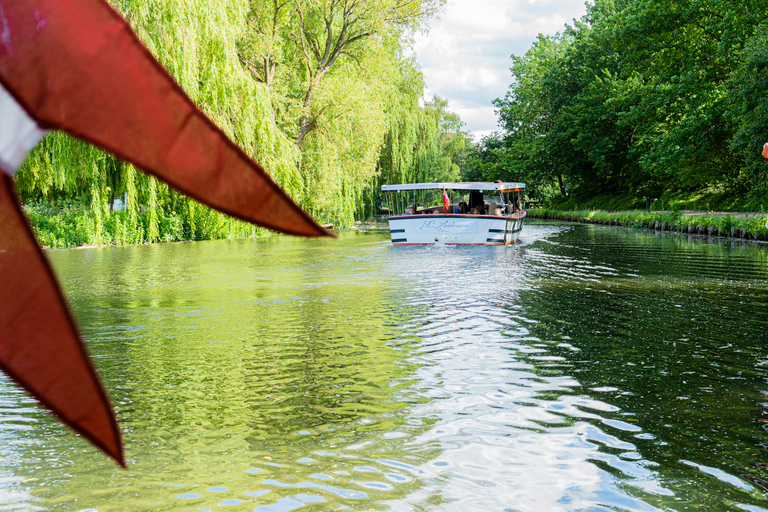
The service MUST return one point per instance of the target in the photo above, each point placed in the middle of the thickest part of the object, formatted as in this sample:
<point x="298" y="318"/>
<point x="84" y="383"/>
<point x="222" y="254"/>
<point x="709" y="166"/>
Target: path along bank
<point x="750" y="226"/>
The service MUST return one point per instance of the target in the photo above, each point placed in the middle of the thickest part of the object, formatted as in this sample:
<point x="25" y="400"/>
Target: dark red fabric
<point x="39" y="345"/>
<point x="76" y="66"/>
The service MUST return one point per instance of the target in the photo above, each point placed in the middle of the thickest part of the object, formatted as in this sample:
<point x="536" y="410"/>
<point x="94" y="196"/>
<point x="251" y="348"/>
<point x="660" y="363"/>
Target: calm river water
<point x="585" y="368"/>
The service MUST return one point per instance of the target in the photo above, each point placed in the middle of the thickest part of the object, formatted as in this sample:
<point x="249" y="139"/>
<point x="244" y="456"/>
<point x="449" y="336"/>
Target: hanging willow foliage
<point x="195" y="40"/>
<point x="363" y="126"/>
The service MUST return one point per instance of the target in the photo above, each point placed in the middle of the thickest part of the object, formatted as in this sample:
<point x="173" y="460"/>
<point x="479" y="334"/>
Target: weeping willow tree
<point x="423" y="144"/>
<point x="110" y="200"/>
<point x="315" y="90"/>
<point x="339" y="83"/>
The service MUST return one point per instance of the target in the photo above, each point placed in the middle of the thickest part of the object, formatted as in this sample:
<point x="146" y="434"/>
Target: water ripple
<point x="586" y="368"/>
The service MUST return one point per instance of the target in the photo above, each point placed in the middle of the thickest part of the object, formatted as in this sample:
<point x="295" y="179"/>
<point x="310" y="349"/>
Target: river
<point x="584" y="368"/>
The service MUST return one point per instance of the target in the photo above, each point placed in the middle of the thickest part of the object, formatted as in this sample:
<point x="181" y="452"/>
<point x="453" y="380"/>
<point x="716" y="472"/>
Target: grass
<point x="747" y="226"/>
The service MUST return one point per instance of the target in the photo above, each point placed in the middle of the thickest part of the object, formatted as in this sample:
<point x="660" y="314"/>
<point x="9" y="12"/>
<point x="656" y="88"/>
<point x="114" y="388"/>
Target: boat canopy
<point x="466" y="185"/>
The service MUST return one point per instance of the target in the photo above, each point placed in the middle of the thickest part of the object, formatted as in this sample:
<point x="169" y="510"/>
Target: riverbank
<point x="750" y="226"/>
<point x="74" y="225"/>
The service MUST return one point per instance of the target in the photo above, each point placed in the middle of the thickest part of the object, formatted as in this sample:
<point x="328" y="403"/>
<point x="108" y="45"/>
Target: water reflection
<point x="586" y="368"/>
<point x="511" y="426"/>
<point x="675" y="337"/>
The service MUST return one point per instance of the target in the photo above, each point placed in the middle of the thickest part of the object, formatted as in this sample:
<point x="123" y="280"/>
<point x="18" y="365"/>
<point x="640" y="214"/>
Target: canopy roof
<point x="466" y="185"/>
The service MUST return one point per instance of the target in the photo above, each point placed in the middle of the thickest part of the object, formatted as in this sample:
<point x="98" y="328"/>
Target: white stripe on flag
<point x="18" y="133"/>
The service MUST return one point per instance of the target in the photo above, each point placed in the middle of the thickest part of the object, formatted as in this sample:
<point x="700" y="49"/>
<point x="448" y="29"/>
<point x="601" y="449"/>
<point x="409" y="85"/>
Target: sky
<point x="465" y="55"/>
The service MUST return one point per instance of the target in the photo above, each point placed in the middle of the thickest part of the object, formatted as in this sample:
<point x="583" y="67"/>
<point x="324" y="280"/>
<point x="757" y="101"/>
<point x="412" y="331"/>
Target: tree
<point x="529" y="114"/>
<point x="315" y="90"/>
<point x="261" y="49"/>
<point x="638" y="98"/>
<point x="331" y="29"/>
<point x="749" y="88"/>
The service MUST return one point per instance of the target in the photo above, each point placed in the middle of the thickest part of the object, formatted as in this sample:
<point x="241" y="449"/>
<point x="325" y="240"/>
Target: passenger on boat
<point x="411" y="210"/>
<point x="462" y="207"/>
<point x="476" y="204"/>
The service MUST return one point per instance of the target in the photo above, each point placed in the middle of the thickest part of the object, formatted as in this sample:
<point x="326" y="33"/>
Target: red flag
<point x="446" y="201"/>
<point x="76" y="66"/>
<point x="765" y="152"/>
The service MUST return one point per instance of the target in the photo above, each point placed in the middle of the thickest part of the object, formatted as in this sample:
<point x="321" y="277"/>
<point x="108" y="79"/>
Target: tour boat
<point x="469" y="213"/>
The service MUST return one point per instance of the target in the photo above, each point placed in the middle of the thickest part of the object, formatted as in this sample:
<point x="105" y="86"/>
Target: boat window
<point x="476" y="200"/>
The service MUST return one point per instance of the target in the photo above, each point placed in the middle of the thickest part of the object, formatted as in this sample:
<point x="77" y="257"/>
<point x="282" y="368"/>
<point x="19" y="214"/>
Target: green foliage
<point x="607" y="202"/>
<point x="643" y="98"/>
<point x="749" y="88"/>
<point x="74" y="225"/>
<point x="344" y="92"/>
<point x="318" y="91"/>
<point x="422" y="145"/>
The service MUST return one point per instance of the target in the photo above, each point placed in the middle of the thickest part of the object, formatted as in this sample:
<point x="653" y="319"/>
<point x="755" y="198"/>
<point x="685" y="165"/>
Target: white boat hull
<point x="455" y="229"/>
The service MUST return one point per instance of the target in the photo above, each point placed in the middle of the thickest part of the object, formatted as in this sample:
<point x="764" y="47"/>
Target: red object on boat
<point x="765" y="151"/>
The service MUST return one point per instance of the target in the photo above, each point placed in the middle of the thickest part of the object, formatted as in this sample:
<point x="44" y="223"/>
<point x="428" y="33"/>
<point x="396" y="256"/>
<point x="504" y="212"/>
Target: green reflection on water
<point x="231" y="364"/>
<point x="616" y="369"/>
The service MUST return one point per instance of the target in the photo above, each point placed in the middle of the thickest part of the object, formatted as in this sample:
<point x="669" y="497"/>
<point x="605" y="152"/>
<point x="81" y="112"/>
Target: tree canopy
<point x="639" y="98"/>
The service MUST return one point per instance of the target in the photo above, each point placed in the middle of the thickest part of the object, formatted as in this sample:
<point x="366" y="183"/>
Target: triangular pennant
<point x="76" y="66"/>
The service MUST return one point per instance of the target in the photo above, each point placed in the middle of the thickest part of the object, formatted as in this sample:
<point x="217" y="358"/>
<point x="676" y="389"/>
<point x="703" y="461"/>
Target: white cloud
<point x="464" y="78"/>
<point x="477" y="135"/>
<point x="488" y="20"/>
<point x="482" y="118"/>
<point x="465" y="56"/>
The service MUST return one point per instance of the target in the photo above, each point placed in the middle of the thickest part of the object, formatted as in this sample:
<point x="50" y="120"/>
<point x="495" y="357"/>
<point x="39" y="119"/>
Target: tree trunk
<point x="304" y="125"/>
<point x="560" y="183"/>
<point x="304" y="119"/>
<point x="269" y="71"/>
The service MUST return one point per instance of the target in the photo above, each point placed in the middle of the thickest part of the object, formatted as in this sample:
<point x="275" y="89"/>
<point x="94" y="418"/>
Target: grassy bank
<point x="705" y="199"/>
<point x="74" y="225"/>
<point x="749" y="226"/>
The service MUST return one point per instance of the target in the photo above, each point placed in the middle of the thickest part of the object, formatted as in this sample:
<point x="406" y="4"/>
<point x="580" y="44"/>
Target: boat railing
<point x="439" y="210"/>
